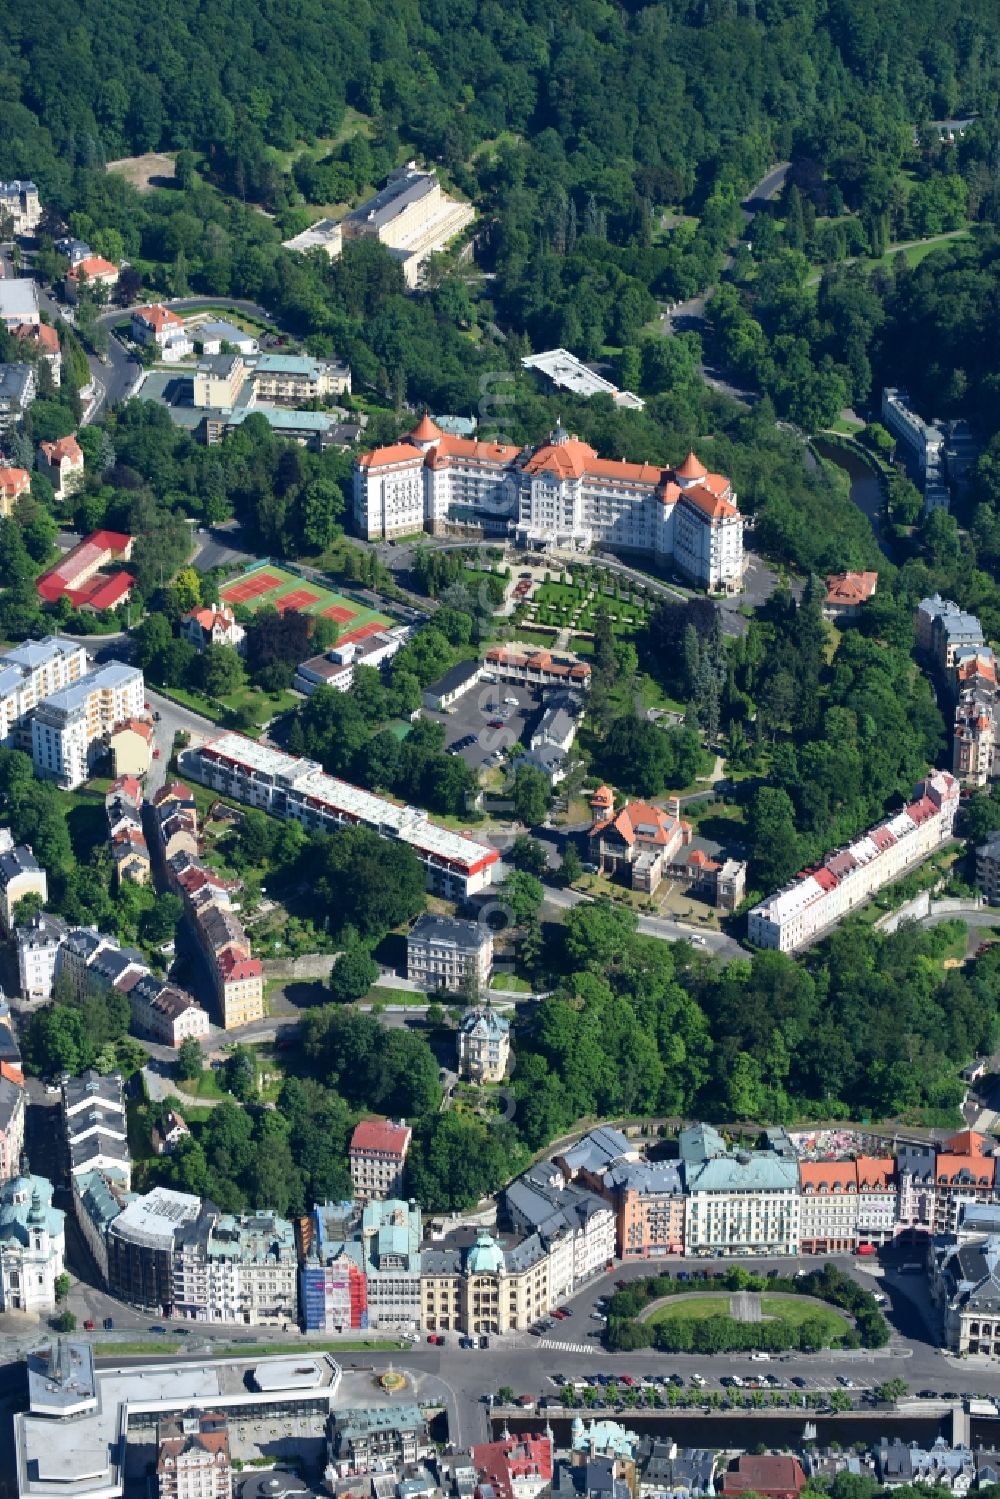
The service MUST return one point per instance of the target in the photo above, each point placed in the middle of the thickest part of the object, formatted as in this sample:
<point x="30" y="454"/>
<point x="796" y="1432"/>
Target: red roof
<point x="102" y="593"/>
<point x="38" y="333"/>
<point x="691" y="468"/>
<point x="499" y="1464"/>
<point x="93" y="267"/>
<point x="138" y="726"/>
<point x="874" y="1172"/>
<point x="396" y="452"/>
<point x="969" y="1142"/>
<point x="829" y="1176"/>
<point x="426" y="430"/>
<point x="111" y="541"/>
<point x="129" y="786"/>
<point x="12" y="1073"/>
<point x="775" y="1475"/>
<point x="234" y="968"/>
<point x="175" y="791"/>
<point x="643" y="821"/>
<point x="850" y="589"/>
<point x="381" y="1137"/>
<point x="825" y="878"/>
<point x="712" y="505"/>
<point x="65" y="447"/>
<point x="14" y="482"/>
<point x="158" y="317"/>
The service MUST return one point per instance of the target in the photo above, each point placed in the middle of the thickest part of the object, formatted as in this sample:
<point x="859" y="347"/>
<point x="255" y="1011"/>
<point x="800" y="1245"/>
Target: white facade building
<point x="38" y="946"/>
<point x="32" y="1245"/>
<point x="743" y="1202"/>
<point x="848" y="877"/>
<point x="68" y="729"/>
<point x="560" y="494"/>
<point x="30" y="673"/>
<point x="300" y="791"/>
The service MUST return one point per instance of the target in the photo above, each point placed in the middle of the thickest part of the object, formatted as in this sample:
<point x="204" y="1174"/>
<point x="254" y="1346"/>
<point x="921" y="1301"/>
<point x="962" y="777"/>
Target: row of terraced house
<point x="238" y="977"/>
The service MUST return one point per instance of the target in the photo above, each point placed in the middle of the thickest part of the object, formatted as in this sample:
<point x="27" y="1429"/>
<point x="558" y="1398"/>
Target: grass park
<point x="792" y="1310"/>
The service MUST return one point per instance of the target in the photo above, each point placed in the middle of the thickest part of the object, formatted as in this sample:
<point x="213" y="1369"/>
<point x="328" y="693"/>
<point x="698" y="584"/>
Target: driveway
<point x="655" y="926"/>
<point x="173" y="719"/>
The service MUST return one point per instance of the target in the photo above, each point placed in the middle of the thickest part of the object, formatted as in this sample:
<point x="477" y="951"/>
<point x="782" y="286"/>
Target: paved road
<point x="173" y="718"/>
<point x="219" y="546"/>
<point x="654" y="926"/>
<point x="527" y="1363"/>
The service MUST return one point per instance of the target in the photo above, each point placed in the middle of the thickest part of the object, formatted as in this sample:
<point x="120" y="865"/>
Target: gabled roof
<point x="65" y="447"/>
<point x="14" y="481"/>
<point x="92" y="266"/>
<point x="850" y="589"/>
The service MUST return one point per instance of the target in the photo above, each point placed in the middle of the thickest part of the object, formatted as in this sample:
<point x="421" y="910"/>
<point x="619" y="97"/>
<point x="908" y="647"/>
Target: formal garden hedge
<point x="717" y="1333"/>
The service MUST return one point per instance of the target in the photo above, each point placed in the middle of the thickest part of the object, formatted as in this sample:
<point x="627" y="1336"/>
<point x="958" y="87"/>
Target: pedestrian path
<point x="567" y="1347"/>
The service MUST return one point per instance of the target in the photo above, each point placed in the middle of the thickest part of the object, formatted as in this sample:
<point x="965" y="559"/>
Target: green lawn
<point x="223" y="710"/>
<point x="792" y="1309"/>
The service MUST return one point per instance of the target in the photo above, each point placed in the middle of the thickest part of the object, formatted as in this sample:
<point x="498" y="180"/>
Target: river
<point x="734" y="1430"/>
<point x="865" y="489"/>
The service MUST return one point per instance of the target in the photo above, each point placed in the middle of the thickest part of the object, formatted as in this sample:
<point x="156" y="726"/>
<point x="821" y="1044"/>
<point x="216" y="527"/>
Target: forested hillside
<point x="628" y="101"/>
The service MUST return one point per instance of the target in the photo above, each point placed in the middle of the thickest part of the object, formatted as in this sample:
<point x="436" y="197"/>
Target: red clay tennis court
<point x="250" y="588"/>
<point x="361" y="633"/>
<point x="340" y="614"/>
<point x="298" y="598"/>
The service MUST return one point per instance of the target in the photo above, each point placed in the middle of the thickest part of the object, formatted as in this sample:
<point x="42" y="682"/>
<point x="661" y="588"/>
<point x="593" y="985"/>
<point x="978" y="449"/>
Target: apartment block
<point x="650" y="1207"/>
<point x="828" y="1207"/>
<point x="62" y="464"/>
<point x="444" y="953"/>
<point x="848" y="877"/>
<point x="95" y="1129"/>
<point x="68" y="729"/>
<point x="743" y="1202"/>
<point x="38" y="945"/>
<point x="18" y="298"/>
<point x="239" y="1268"/>
<point x="362" y="1267"/>
<point x="576" y="1224"/>
<point x="412" y="216"/>
<point x="483" y="1286"/>
<point x="18" y="388"/>
<point x="299" y="790"/>
<point x="12" y="1118"/>
<point x="378" y="1153"/>
<point x="378" y="1439"/>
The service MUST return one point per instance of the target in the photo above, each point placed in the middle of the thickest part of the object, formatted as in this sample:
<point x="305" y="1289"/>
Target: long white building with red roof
<point x="560" y="494"/>
<point x="456" y="865"/>
<point x="848" y="877"/>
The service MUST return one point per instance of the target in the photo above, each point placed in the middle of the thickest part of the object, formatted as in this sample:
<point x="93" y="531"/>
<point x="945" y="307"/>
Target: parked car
<point x="88" y="1325"/>
<point x="109" y="1323"/>
<point x="157" y="1328"/>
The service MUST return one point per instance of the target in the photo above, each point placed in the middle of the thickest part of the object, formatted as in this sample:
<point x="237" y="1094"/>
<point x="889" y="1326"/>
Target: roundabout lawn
<point x="793" y="1310"/>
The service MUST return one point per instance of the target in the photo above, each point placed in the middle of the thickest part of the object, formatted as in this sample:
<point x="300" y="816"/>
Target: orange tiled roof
<point x="426" y="430"/>
<point x="850" y="588"/>
<point x="38" y="333"/>
<point x="875" y="1172"/>
<point x="12" y="1074"/>
<point x="827" y="1176"/>
<point x="691" y="468"/>
<point x="14" y="481"/>
<point x="63" y="447"/>
<point x="642" y="815"/>
<point x="94" y="266"/>
<point x="158" y="317"/>
<point x="712" y="505"/>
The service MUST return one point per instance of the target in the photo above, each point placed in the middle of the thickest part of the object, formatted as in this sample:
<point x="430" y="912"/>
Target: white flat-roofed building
<point x="336" y="667"/>
<point x="300" y="791"/>
<point x="566" y="372"/>
<point x="18" y="301"/>
<point x="925" y="440"/>
<point x="212" y="335"/>
<point x="325" y="235"/>
<point x="71" y="1440"/>
<point x="849" y="877"/>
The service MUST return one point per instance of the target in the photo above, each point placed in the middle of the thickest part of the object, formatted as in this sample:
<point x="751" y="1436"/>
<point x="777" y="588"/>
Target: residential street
<point x="655" y="926"/>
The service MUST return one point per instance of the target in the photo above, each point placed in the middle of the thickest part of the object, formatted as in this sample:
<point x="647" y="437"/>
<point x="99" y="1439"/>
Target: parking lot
<point x="491" y="717"/>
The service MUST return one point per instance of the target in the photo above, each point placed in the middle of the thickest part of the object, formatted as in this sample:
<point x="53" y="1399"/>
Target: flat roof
<point x="75" y="1456"/>
<point x="408" y="824"/>
<point x="19" y="298"/>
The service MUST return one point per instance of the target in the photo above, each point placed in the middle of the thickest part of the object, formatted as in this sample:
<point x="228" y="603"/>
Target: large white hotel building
<point x="848" y="877"/>
<point x="559" y="494"/>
